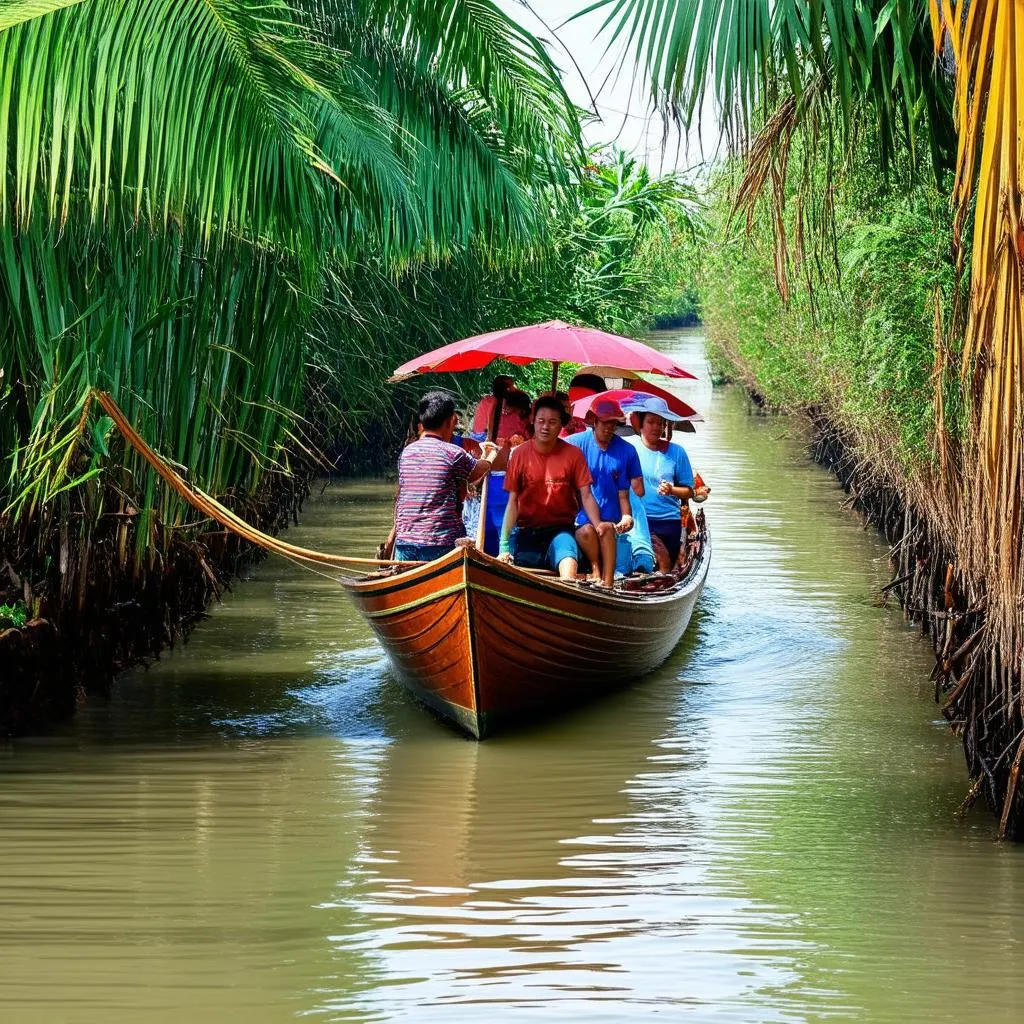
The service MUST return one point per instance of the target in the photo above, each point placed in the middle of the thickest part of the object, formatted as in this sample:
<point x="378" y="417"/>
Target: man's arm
<point x="484" y="464"/>
<point x="590" y="507"/>
<point x="635" y="472"/>
<point x="507" y="524"/>
<point x="625" y="523"/>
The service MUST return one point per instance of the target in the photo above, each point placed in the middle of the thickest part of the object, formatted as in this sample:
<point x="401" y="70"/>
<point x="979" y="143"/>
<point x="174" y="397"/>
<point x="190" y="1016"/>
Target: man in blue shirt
<point x="615" y="467"/>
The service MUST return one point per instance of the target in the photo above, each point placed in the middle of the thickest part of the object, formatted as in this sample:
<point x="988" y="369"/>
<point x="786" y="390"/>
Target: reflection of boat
<point x="449" y="816"/>
<point x="486" y="644"/>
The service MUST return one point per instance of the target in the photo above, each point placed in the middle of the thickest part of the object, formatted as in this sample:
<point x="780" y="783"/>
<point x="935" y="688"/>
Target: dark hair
<point x="551" y="402"/>
<point x="436" y="408"/>
<point x="518" y="400"/>
<point x="589" y="380"/>
<point x="641" y="416"/>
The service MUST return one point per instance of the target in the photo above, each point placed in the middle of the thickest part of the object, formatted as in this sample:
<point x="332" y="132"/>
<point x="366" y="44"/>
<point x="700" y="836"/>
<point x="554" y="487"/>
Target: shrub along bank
<point x="858" y="347"/>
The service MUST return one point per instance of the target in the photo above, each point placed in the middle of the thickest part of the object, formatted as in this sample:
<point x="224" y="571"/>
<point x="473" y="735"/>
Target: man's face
<point x="604" y="430"/>
<point x="653" y="427"/>
<point x="451" y="425"/>
<point x="547" y="425"/>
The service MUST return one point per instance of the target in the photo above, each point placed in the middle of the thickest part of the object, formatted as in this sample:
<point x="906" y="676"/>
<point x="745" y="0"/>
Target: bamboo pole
<point x="212" y="508"/>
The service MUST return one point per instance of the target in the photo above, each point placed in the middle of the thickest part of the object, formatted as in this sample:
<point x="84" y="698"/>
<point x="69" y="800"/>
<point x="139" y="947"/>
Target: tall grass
<point x="856" y="333"/>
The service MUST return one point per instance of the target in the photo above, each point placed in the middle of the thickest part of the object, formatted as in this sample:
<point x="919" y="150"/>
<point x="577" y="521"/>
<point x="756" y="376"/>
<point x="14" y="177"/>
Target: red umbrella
<point x="554" y="340"/>
<point x="626" y="397"/>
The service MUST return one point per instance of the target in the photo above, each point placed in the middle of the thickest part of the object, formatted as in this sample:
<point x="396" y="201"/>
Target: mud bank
<point x="103" y="614"/>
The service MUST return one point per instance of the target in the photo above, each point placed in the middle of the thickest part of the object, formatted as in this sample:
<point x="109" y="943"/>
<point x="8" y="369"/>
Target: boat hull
<point x="488" y="645"/>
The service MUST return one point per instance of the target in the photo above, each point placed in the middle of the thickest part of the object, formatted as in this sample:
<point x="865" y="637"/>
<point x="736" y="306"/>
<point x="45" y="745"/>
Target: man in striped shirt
<point x="430" y="473"/>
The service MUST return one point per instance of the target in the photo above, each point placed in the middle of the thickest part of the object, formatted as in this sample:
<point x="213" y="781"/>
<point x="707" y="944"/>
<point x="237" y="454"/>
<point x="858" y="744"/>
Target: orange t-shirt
<point x="547" y="485"/>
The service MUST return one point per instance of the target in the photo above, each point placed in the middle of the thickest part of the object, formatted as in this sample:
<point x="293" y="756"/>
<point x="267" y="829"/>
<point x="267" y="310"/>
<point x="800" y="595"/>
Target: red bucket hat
<point x="607" y="409"/>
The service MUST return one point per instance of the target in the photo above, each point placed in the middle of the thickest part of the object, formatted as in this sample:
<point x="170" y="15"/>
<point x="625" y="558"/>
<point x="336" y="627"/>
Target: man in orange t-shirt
<point x="547" y="482"/>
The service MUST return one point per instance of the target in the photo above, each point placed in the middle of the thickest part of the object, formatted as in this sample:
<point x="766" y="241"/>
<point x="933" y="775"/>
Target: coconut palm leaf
<point x="483" y="113"/>
<point x="473" y="42"/>
<point x="204" y="109"/>
<point x="750" y="55"/>
<point x="17" y="11"/>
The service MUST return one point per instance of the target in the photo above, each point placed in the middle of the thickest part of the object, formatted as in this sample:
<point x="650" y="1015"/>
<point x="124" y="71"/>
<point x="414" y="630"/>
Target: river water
<point x="265" y="826"/>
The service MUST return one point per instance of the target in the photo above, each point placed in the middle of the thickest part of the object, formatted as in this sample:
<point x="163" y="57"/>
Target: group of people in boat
<point x="577" y="490"/>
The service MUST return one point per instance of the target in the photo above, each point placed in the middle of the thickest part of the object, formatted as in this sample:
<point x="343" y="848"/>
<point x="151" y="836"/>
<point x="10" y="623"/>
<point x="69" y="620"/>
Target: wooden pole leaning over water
<point x="209" y="506"/>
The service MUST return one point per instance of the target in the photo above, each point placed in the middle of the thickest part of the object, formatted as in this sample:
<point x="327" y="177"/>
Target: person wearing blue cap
<point x="615" y="468"/>
<point x="668" y="476"/>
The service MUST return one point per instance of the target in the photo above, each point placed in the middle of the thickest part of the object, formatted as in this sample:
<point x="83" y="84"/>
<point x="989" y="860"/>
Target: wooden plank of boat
<point x="486" y="644"/>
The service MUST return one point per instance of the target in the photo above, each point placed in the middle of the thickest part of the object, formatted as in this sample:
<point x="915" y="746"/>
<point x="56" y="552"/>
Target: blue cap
<point x="652" y="404"/>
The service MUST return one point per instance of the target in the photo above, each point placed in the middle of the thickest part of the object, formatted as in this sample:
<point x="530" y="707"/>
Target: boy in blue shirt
<point x="615" y="468"/>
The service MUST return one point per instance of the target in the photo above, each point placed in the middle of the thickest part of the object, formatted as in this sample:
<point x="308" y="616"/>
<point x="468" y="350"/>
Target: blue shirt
<point x="636" y="543"/>
<point x="673" y="465"/>
<point x="612" y="469"/>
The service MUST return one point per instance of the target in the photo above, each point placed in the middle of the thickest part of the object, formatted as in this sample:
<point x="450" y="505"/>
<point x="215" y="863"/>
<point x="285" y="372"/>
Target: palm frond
<point x="17" y="11"/>
<point x="201" y="110"/>
<point x="748" y="54"/>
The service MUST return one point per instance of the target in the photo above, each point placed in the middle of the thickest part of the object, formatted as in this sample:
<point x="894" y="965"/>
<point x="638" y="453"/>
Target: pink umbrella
<point x="554" y="340"/>
<point x="626" y="397"/>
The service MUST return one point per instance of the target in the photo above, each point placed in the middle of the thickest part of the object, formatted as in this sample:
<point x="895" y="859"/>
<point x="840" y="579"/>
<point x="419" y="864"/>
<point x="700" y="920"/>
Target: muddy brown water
<point x="264" y="826"/>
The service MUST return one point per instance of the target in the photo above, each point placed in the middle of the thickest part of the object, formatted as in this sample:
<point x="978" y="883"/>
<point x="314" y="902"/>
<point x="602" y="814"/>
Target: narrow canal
<point x="264" y="826"/>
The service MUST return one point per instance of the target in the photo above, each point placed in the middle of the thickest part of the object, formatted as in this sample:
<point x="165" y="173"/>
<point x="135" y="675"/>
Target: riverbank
<point x="127" y="614"/>
<point x="859" y="355"/>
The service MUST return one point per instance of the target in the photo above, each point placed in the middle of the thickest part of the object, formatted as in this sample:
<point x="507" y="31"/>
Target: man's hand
<point x="506" y="557"/>
<point x="624" y="525"/>
<point x="488" y="450"/>
<point x="665" y="488"/>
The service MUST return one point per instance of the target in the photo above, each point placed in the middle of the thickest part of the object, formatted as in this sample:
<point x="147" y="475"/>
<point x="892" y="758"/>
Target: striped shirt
<point x="429" y="474"/>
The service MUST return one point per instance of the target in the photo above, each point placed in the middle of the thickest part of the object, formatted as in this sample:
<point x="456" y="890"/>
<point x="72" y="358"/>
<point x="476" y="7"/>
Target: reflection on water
<point x="264" y="826"/>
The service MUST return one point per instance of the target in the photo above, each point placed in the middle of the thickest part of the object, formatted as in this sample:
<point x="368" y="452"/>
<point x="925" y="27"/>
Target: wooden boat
<point x="486" y="644"/>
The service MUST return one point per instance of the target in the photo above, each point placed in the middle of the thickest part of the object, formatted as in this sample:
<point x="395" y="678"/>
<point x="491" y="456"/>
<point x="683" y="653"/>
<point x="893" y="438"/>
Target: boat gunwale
<point x="466" y="555"/>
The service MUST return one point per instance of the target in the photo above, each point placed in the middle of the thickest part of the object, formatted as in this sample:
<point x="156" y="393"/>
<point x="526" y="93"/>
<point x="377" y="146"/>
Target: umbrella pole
<point x="481" y="526"/>
<point x="554" y="376"/>
<point x="492" y="433"/>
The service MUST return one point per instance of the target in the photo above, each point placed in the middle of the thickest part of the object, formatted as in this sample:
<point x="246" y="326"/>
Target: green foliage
<point x="617" y="254"/>
<point x="221" y="212"/>
<point x="857" y="334"/>
<point x="239" y="218"/>
<point x="13" y="615"/>
<point x="875" y="56"/>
